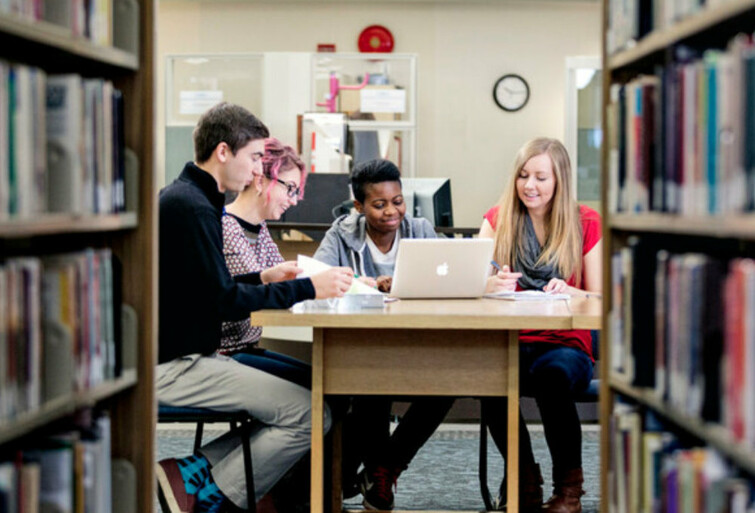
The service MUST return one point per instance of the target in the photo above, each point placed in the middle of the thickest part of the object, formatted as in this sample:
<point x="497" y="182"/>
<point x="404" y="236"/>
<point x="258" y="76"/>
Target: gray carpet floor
<point x="443" y="475"/>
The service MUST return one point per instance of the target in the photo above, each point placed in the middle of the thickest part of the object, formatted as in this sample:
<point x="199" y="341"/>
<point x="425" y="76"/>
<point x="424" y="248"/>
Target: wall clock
<point x="511" y="92"/>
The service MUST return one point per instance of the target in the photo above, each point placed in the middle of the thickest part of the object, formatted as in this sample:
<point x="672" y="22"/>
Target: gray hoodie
<point x="345" y="242"/>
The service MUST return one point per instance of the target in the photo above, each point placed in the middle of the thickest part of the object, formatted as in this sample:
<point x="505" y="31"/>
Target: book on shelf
<point x="629" y="21"/>
<point x="65" y="472"/>
<point x="93" y="19"/>
<point x="118" y="153"/>
<point x="682" y="326"/>
<point x="63" y="142"/>
<point x="680" y="139"/>
<point x="653" y="469"/>
<point x="58" y="327"/>
<point x="739" y="351"/>
<point x="633" y="348"/>
<point x="27" y="9"/>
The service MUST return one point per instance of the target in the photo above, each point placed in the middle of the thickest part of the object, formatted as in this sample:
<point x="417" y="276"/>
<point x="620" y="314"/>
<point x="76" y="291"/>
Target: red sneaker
<point x="171" y="490"/>
<point x="377" y="487"/>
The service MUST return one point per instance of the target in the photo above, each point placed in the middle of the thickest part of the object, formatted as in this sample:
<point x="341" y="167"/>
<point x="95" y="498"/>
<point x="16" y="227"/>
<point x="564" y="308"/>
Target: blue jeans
<point x="553" y="375"/>
<point x="281" y="365"/>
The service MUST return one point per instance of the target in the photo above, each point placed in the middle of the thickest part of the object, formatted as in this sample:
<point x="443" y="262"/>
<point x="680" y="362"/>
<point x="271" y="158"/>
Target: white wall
<point x="463" y="48"/>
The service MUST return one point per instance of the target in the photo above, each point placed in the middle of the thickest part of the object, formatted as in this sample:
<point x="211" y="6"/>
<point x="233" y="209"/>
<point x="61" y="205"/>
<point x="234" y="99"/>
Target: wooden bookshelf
<point x="132" y="237"/>
<point x="51" y="224"/>
<point x="64" y="406"/>
<point x="59" y="39"/>
<point x="712" y="27"/>
<point x="739" y="227"/>
<point x="659" y="40"/>
<point x="714" y="435"/>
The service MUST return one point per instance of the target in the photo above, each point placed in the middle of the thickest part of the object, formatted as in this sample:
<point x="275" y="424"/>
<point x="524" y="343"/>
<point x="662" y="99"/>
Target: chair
<point x="589" y="395"/>
<point x="240" y="422"/>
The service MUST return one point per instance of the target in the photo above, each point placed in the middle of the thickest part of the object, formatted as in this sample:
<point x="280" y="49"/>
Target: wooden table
<point x="454" y="347"/>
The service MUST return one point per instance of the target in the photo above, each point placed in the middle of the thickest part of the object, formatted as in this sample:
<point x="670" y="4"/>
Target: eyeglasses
<point x="292" y="189"/>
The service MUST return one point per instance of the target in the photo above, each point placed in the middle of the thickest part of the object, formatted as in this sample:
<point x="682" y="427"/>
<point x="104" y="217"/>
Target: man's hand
<point x="384" y="283"/>
<point x="281" y="272"/>
<point x="332" y="283"/>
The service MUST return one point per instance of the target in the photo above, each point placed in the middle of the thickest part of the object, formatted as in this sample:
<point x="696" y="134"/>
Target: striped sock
<point x="209" y="498"/>
<point x="195" y="469"/>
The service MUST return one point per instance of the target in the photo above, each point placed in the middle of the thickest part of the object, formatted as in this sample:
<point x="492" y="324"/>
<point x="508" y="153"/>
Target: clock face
<point x="511" y="92"/>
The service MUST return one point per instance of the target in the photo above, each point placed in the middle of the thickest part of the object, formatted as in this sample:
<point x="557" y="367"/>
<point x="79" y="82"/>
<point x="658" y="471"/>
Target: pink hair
<point x="280" y="157"/>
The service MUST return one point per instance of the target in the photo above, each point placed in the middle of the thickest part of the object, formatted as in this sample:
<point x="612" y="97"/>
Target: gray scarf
<point x="533" y="277"/>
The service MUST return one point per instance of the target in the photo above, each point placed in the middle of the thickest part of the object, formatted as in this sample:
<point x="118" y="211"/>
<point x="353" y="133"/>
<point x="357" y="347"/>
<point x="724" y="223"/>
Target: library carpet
<point x="443" y="475"/>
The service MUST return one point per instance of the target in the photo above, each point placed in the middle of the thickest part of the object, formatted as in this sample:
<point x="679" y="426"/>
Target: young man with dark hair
<point x="197" y="293"/>
<point x="368" y="242"/>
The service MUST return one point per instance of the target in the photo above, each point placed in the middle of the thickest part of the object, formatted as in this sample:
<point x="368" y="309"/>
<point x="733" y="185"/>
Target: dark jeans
<point x="281" y="365"/>
<point x="367" y="436"/>
<point x="553" y="375"/>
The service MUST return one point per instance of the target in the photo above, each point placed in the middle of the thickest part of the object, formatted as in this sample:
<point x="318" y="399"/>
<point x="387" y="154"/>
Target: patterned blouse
<point x="247" y="248"/>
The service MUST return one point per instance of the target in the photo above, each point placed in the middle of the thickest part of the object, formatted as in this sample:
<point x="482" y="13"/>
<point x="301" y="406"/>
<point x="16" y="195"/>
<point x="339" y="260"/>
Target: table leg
<point x="512" y="392"/>
<point x="318" y="466"/>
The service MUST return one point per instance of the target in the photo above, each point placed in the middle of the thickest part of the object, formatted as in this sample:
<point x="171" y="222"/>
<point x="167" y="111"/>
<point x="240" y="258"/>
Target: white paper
<point x="527" y="295"/>
<point x="312" y="266"/>
<point x="197" y="102"/>
<point x="383" y="100"/>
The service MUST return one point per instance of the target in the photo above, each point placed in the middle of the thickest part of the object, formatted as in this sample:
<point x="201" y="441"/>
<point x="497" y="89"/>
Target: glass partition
<point x="583" y="131"/>
<point x="376" y="93"/>
<point x="194" y="84"/>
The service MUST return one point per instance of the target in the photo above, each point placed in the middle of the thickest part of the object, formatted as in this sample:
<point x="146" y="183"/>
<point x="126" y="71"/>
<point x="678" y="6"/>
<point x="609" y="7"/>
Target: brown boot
<point x="530" y="491"/>
<point x="567" y="491"/>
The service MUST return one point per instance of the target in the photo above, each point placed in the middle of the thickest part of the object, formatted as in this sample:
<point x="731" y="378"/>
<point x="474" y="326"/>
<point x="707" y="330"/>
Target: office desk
<point x="422" y="347"/>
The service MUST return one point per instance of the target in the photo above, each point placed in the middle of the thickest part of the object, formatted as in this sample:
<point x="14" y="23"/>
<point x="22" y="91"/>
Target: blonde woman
<point x="545" y="241"/>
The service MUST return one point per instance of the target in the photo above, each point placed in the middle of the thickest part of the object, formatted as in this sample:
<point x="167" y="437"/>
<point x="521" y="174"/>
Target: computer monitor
<point x="363" y="146"/>
<point x="429" y="198"/>
<point x="324" y="192"/>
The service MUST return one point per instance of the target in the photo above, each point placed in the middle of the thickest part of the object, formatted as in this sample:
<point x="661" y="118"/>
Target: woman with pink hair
<point x="248" y="247"/>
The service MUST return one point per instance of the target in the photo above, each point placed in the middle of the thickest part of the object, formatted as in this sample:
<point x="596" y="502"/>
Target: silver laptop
<point x="441" y="268"/>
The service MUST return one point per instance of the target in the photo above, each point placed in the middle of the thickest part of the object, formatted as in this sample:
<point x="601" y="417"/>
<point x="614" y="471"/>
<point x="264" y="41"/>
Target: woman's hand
<point x="332" y="283"/>
<point x="281" y="272"/>
<point x="504" y="280"/>
<point x="556" y="286"/>
<point x="370" y="282"/>
<point x="384" y="283"/>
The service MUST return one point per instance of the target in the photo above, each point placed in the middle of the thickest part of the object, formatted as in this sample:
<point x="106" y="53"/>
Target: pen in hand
<point x="504" y="269"/>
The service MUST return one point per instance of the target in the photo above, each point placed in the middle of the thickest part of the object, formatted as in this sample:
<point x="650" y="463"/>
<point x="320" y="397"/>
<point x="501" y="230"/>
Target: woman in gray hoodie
<point x="367" y="241"/>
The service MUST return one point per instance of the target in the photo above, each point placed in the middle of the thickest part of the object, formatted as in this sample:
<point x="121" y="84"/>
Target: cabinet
<point x="127" y="231"/>
<point x="378" y="95"/>
<point x="677" y="189"/>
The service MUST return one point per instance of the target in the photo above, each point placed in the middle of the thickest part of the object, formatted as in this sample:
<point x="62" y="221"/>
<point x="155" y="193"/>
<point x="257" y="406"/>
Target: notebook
<point x="441" y="268"/>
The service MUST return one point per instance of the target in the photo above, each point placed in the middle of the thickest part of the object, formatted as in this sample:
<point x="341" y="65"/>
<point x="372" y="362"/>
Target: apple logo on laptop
<point x="442" y="269"/>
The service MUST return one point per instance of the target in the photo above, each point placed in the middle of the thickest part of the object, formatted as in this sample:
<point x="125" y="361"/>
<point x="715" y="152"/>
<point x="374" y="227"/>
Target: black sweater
<point x="197" y="293"/>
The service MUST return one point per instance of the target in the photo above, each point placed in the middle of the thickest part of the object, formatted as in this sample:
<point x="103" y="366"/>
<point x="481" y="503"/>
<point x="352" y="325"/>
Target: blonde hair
<point x="563" y="236"/>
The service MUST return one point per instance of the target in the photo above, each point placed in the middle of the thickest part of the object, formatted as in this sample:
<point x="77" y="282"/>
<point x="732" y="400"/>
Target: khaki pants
<point x="221" y="383"/>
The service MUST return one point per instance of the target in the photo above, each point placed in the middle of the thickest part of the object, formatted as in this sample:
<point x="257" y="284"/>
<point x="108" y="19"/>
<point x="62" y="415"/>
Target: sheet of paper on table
<point x="527" y="295"/>
<point x="360" y="295"/>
